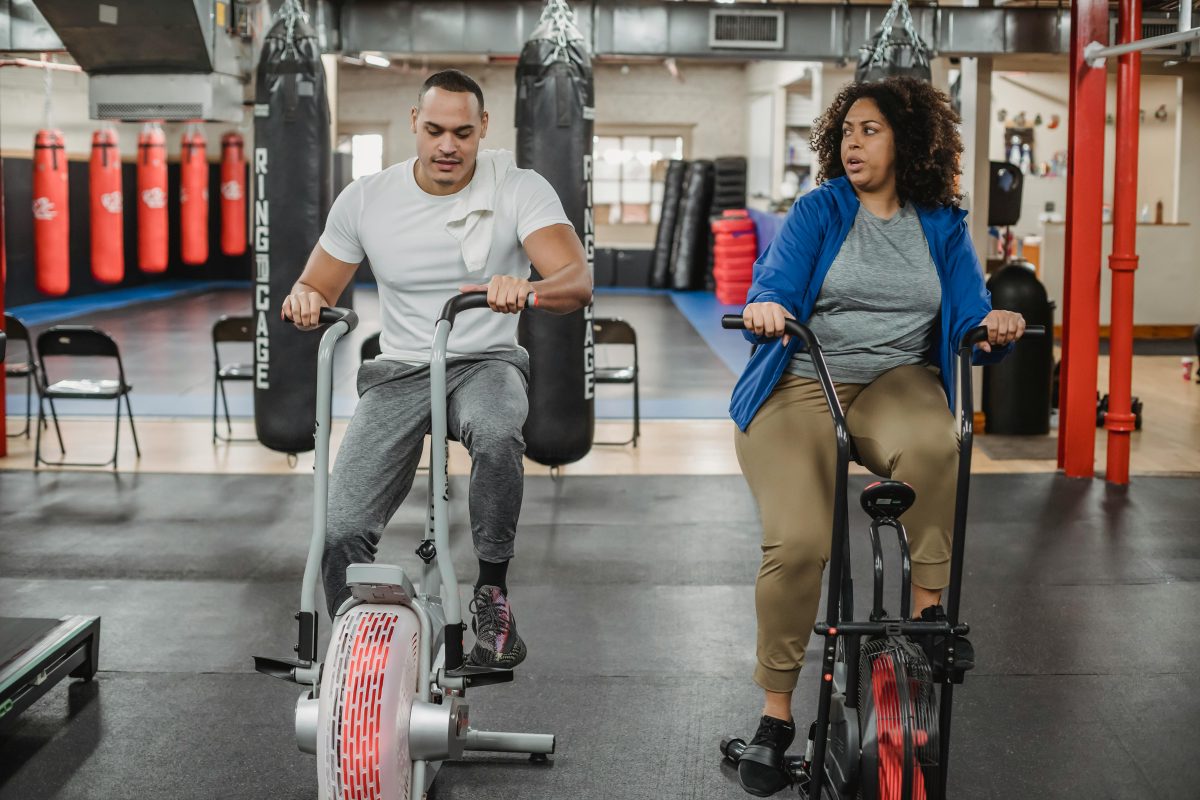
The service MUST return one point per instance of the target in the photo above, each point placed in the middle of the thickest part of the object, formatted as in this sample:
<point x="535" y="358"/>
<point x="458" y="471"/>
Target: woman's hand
<point x="1003" y="327"/>
<point x="767" y="319"/>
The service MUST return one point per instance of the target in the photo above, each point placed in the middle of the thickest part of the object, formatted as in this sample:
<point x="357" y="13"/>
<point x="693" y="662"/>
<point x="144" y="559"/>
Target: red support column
<point x="1085" y="190"/>
<point x="1120" y="420"/>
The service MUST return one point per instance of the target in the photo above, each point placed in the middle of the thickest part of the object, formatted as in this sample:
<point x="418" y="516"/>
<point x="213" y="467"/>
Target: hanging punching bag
<point x="107" y="218"/>
<point x="51" y="228"/>
<point x="664" y="238"/>
<point x="152" y="199"/>
<point x="193" y="197"/>
<point x="292" y="170"/>
<point x="233" y="195"/>
<point x="554" y="137"/>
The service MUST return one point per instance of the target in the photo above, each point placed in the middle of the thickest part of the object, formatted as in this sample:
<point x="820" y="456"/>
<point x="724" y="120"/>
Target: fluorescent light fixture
<point x="376" y="61"/>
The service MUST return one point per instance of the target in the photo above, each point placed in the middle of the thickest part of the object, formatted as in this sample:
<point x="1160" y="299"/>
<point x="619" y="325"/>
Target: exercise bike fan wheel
<point x="898" y="718"/>
<point x="371" y="675"/>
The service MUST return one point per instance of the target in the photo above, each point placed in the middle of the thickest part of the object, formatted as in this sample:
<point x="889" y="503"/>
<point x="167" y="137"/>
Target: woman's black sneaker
<point x="761" y="768"/>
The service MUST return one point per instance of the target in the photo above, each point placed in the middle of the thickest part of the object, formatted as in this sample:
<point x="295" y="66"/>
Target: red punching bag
<point x="51" y="229"/>
<point x="193" y="197"/>
<point x="233" y="195"/>
<point x="152" y="199"/>
<point x="104" y="184"/>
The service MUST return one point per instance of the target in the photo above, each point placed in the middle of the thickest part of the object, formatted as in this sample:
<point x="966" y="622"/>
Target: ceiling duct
<point x="745" y="29"/>
<point x="149" y="59"/>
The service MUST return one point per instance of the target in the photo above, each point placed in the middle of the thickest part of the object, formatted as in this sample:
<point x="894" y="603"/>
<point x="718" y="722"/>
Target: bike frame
<point x="839" y="621"/>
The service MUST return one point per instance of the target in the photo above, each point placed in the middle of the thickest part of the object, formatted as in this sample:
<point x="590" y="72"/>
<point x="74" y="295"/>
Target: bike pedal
<point x="282" y="668"/>
<point x="481" y="676"/>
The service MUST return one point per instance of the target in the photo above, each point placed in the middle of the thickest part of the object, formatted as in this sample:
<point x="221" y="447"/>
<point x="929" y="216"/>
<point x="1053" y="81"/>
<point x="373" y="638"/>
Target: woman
<point x="877" y="261"/>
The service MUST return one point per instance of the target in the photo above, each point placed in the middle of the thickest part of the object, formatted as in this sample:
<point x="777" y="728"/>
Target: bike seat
<point x="888" y="499"/>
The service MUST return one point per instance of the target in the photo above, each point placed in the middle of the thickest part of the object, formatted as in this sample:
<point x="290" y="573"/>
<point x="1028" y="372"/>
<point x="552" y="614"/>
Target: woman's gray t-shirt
<point x="876" y="308"/>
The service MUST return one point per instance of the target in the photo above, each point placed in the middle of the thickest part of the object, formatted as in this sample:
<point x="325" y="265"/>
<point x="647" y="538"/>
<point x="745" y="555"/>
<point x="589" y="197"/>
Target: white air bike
<point x="387" y="706"/>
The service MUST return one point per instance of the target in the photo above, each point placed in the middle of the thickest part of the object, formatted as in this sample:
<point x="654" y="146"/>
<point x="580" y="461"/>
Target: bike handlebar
<point x="791" y="326"/>
<point x="468" y="300"/>
<point x="332" y="314"/>
<point x="978" y="335"/>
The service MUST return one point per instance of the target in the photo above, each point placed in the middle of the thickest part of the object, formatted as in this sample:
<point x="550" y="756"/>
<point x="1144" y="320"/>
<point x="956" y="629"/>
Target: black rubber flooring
<point x="635" y="596"/>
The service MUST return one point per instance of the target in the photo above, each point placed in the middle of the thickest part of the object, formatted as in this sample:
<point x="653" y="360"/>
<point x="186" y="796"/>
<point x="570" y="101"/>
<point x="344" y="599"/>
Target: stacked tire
<point x="729" y="186"/>
<point x="734" y="252"/>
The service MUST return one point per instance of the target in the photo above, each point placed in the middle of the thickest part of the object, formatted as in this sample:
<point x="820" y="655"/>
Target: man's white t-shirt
<point x="418" y="265"/>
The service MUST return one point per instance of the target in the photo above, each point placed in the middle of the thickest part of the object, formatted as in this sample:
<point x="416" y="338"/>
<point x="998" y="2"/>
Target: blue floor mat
<point x="49" y="312"/>
<point x="681" y="380"/>
<point x="704" y="312"/>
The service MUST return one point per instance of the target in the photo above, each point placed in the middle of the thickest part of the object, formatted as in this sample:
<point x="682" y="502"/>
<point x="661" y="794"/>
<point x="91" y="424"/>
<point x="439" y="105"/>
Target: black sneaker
<point x="761" y="769"/>
<point x="497" y="643"/>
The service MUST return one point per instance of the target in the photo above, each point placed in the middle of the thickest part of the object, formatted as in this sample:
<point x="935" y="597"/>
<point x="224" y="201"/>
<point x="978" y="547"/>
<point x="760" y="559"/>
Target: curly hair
<point x="924" y="129"/>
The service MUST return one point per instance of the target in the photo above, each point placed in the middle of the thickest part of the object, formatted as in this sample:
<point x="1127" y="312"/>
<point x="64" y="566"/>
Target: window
<point x="366" y="154"/>
<point x="628" y="177"/>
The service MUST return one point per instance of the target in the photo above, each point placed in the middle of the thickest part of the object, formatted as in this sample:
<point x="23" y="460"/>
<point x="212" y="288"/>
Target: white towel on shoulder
<point x="473" y="216"/>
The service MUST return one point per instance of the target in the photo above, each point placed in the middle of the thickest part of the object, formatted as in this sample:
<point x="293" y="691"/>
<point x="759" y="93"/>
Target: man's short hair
<point x="452" y="80"/>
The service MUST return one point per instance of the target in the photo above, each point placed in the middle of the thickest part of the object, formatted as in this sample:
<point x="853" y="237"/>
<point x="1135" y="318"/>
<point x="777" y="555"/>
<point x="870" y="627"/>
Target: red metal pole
<point x="1085" y="181"/>
<point x="1120" y="420"/>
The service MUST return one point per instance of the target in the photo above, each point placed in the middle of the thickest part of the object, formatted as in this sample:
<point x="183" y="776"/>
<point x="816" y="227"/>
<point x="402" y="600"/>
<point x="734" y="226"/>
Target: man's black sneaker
<point x="497" y="643"/>
<point x="761" y="769"/>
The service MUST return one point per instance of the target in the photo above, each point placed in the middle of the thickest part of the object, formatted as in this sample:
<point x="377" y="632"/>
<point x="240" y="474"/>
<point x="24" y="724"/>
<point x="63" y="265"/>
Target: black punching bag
<point x="291" y="173"/>
<point x="664" y="239"/>
<point x="554" y="137"/>
<point x="1017" y="391"/>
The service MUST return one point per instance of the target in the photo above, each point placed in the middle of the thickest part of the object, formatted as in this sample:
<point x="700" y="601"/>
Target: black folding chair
<point x="229" y="329"/>
<point x="25" y="368"/>
<point x="370" y="347"/>
<point x="619" y="332"/>
<point x="82" y="345"/>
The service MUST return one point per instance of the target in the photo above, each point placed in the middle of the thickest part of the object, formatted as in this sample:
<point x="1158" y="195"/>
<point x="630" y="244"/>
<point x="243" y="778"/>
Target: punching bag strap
<point x="108" y="145"/>
<point x="562" y="97"/>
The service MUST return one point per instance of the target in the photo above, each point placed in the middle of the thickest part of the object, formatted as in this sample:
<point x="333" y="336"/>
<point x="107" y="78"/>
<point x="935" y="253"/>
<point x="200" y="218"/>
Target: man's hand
<point x="506" y="294"/>
<point x="303" y="307"/>
<point x="1003" y="327"/>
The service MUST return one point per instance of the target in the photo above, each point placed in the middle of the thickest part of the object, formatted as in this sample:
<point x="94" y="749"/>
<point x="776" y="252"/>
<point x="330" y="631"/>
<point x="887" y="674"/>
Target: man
<point x="452" y="219"/>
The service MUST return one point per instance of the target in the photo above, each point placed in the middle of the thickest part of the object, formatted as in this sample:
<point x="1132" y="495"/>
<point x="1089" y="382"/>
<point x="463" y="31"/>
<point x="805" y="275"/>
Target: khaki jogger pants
<point x="903" y="430"/>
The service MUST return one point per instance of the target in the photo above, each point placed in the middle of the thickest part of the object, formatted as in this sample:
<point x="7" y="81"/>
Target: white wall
<point x="709" y="99"/>
<point x="1167" y="289"/>
<point x="381" y="100"/>
<point x="766" y="106"/>
<point x="1166" y="284"/>
<point x="1034" y="92"/>
<point x="707" y="102"/>
<point x="22" y="104"/>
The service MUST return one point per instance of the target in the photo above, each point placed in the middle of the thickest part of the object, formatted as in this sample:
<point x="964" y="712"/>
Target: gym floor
<point x="632" y="584"/>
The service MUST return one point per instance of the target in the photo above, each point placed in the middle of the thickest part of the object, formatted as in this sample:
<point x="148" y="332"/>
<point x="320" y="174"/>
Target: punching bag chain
<point x="558" y="25"/>
<point x="291" y="11"/>
<point x="48" y="107"/>
<point x="889" y="20"/>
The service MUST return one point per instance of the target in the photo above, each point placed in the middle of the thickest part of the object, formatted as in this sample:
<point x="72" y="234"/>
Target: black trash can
<point x="1016" y="392"/>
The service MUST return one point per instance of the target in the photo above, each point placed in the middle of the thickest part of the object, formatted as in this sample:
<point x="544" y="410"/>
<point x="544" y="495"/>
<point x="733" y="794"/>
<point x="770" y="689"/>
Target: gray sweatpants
<point x="377" y="461"/>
